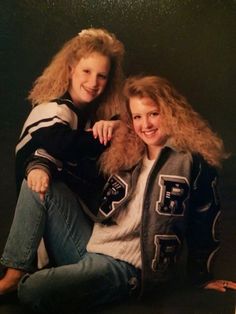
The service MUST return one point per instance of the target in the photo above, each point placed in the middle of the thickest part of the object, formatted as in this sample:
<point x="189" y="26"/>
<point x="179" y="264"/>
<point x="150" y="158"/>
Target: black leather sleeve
<point x="203" y="231"/>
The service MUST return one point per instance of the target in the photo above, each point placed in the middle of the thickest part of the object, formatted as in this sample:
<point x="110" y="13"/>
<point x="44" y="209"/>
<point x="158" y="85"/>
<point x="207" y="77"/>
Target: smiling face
<point x="147" y="123"/>
<point x="89" y="78"/>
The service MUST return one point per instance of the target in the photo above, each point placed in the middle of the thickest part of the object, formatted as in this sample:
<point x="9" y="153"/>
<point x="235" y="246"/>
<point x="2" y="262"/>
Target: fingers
<point x="38" y="181"/>
<point x="221" y="285"/>
<point x="42" y="196"/>
<point x="215" y="286"/>
<point x="230" y="285"/>
<point x="103" y="130"/>
<point x="100" y="131"/>
<point x="39" y="186"/>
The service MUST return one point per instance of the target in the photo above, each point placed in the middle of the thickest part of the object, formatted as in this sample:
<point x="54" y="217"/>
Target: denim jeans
<point x="79" y="279"/>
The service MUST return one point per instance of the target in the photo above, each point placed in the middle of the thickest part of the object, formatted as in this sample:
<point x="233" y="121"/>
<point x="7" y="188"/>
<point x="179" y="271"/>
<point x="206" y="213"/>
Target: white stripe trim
<point x="214" y="226"/>
<point x="57" y="113"/>
<point x="28" y="136"/>
<point x="50" y="110"/>
<point x="211" y="257"/>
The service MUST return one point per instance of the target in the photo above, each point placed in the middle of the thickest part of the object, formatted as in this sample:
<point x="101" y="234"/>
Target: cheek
<point x="74" y="80"/>
<point x="136" y="127"/>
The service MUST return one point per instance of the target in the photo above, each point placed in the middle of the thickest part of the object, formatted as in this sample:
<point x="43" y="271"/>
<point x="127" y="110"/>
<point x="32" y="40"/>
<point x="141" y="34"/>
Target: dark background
<point x="191" y="42"/>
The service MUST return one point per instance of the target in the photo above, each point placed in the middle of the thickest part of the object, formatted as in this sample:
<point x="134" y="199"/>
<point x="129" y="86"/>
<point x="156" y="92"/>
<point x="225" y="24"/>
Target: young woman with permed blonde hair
<point x="80" y="86"/>
<point x="75" y="99"/>
<point x="178" y="195"/>
<point x="185" y="129"/>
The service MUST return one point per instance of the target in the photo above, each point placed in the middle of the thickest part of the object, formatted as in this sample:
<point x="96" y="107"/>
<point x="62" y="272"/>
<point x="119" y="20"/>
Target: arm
<point x="65" y="144"/>
<point x="40" y="169"/>
<point x="57" y="129"/>
<point x="88" y="147"/>
<point x="66" y="139"/>
<point x="203" y="229"/>
<point x="53" y="128"/>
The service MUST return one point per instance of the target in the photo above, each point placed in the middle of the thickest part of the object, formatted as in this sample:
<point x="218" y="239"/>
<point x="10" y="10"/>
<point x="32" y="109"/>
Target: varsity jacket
<point x="54" y="138"/>
<point x="180" y="202"/>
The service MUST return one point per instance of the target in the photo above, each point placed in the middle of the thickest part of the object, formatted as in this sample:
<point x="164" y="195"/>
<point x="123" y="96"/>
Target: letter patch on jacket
<point x="174" y="192"/>
<point x="166" y="250"/>
<point x="114" y="192"/>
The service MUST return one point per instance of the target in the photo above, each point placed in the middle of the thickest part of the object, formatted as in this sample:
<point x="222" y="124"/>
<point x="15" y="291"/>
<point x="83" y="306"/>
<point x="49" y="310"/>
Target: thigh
<point x="95" y="280"/>
<point x="67" y="228"/>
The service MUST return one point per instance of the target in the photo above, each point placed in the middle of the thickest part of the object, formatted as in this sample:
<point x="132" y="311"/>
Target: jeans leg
<point x="58" y="218"/>
<point x="67" y="228"/>
<point x="26" y="231"/>
<point x="94" y="280"/>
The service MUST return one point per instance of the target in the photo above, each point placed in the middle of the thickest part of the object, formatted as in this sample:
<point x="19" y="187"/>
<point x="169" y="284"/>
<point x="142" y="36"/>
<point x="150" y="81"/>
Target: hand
<point x="221" y="285"/>
<point x="104" y="129"/>
<point x="38" y="181"/>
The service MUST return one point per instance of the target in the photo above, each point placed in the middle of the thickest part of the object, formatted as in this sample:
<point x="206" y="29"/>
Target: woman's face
<point x="147" y="123"/>
<point x="89" y="78"/>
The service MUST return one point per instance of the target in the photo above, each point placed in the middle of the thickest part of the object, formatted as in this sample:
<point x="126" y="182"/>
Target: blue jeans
<point x="79" y="279"/>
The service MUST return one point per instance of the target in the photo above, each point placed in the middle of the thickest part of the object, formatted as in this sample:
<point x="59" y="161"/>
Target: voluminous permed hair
<point x="55" y="79"/>
<point x="186" y="129"/>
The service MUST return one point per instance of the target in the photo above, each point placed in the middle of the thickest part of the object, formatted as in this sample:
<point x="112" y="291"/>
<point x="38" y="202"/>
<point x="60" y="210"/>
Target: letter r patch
<point x="114" y="192"/>
<point x="174" y="192"/>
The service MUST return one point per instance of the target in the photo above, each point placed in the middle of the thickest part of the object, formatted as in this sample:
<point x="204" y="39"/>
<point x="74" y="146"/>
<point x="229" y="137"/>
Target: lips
<point x="91" y="91"/>
<point x="150" y="133"/>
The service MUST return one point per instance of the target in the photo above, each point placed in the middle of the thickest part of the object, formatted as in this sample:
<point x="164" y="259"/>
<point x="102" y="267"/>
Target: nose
<point x="146" y="123"/>
<point x="93" y="81"/>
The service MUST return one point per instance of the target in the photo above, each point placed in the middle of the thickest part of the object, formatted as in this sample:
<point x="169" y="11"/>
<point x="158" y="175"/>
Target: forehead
<point x="142" y="104"/>
<point x="94" y="59"/>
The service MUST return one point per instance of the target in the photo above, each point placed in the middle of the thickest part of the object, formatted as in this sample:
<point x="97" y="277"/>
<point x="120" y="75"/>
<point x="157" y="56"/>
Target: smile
<point x="150" y="132"/>
<point x="90" y="91"/>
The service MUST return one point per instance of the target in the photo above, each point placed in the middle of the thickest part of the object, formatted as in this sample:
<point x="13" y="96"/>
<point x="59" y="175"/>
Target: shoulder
<point x="204" y="176"/>
<point x="177" y="157"/>
<point x="52" y="107"/>
<point x="53" y="110"/>
<point x="202" y="165"/>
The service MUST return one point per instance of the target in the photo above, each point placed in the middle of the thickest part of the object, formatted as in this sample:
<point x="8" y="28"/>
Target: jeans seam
<point x="60" y="210"/>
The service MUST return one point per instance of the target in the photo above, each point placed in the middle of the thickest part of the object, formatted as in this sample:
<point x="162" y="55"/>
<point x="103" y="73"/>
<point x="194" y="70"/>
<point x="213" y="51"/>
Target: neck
<point x="153" y="152"/>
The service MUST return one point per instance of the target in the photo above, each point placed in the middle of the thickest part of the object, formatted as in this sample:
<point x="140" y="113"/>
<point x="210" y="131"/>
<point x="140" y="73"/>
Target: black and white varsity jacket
<point x="180" y="202"/>
<point x="54" y="137"/>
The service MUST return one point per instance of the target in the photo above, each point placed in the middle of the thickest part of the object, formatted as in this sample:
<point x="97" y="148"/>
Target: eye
<point x="102" y="76"/>
<point x="136" y="117"/>
<point x="154" y="114"/>
<point x="86" y="71"/>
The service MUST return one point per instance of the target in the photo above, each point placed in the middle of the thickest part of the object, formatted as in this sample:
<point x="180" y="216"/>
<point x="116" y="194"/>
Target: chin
<point x="87" y="100"/>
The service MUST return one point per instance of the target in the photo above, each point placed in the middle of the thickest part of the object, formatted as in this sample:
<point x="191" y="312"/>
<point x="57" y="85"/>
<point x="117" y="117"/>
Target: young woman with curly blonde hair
<point x="165" y="157"/>
<point x="80" y="89"/>
<point x="56" y="78"/>
<point x="75" y="100"/>
<point x="185" y="129"/>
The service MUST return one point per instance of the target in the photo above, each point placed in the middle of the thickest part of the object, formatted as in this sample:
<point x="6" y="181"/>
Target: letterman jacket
<point x="54" y="138"/>
<point x="180" y="201"/>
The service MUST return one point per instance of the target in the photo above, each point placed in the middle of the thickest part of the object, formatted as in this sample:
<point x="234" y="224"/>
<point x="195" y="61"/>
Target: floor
<point x="173" y="302"/>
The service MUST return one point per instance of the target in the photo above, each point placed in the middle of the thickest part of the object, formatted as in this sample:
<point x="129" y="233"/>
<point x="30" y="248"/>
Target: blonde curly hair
<point x="55" y="79"/>
<point x="186" y="129"/>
